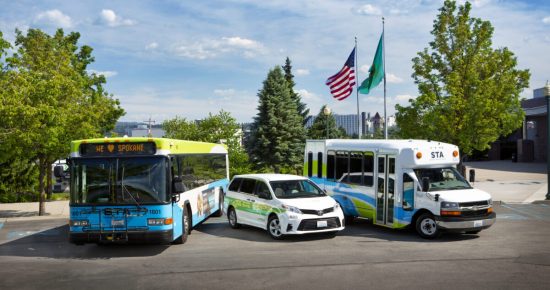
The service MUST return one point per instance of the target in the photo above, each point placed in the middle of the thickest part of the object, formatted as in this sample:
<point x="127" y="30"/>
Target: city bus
<point x="399" y="183"/>
<point x="143" y="189"/>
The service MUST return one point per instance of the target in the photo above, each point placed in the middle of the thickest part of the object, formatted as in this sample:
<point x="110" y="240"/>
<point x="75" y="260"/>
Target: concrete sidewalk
<point x="29" y="210"/>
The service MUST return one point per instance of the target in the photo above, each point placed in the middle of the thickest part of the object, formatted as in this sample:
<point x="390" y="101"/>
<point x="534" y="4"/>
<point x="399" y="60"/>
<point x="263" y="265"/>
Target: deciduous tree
<point x="468" y="90"/>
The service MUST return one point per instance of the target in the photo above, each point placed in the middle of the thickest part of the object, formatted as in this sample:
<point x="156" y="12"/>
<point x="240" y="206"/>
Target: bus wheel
<point x="232" y="218"/>
<point x="219" y="212"/>
<point x="426" y="226"/>
<point x="185" y="220"/>
<point x="274" y="227"/>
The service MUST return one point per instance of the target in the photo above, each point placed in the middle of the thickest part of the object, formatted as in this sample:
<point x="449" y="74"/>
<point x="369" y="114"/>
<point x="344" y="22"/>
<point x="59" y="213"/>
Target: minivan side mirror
<point x="425" y="184"/>
<point x="58" y="171"/>
<point x="177" y="185"/>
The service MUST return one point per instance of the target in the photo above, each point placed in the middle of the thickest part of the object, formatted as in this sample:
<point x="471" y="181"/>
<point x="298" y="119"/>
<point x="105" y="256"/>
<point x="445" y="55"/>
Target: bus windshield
<point x="133" y="180"/>
<point x="443" y="178"/>
<point x="295" y="189"/>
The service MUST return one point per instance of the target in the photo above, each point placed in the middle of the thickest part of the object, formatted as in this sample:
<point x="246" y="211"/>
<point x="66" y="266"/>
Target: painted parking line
<point x="532" y="211"/>
<point x="511" y="216"/>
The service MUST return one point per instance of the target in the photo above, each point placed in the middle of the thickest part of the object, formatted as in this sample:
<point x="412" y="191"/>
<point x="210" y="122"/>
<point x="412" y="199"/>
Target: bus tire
<point x="219" y="212"/>
<point x="185" y="222"/>
<point x="274" y="227"/>
<point x="232" y="218"/>
<point x="426" y="226"/>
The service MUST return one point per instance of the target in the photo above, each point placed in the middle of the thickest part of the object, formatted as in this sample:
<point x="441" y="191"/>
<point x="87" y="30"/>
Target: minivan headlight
<point x="446" y="204"/>
<point x="336" y="206"/>
<point x="292" y="209"/>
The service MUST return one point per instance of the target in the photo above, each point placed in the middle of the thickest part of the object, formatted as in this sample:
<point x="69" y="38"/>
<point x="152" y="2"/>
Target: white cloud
<point x="368" y="9"/>
<point x="403" y="98"/>
<point x="107" y="73"/>
<point x="151" y="46"/>
<point x="109" y="18"/>
<point x="226" y="94"/>
<point x="546" y="20"/>
<point x="364" y="68"/>
<point x="393" y="79"/>
<point x="307" y="95"/>
<point x="302" y="72"/>
<point x="55" y="17"/>
<point x="215" y="47"/>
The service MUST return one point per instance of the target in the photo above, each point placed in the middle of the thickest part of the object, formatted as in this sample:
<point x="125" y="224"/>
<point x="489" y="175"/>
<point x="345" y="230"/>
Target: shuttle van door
<point x="385" y="189"/>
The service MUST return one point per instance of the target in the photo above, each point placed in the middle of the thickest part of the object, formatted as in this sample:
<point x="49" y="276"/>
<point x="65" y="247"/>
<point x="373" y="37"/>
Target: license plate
<point x="478" y="224"/>
<point x="117" y="223"/>
<point x="322" y="224"/>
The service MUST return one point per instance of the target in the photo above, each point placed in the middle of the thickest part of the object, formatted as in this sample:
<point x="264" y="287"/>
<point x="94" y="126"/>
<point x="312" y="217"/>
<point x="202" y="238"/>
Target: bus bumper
<point x="465" y="224"/>
<point x="153" y="237"/>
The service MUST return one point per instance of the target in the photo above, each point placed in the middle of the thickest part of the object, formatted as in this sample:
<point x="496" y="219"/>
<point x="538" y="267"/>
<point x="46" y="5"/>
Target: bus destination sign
<point x="118" y="149"/>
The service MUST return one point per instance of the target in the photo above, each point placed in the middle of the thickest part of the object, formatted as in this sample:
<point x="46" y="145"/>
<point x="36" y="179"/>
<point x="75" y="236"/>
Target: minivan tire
<point x="274" y="228"/>
<point x="232" y="218"/>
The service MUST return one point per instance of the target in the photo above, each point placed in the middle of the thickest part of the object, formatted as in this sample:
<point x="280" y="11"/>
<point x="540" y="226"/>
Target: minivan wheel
<point x="274" y="227"/>
<point x="232" y="218"/>
<point x="426" y="226"/>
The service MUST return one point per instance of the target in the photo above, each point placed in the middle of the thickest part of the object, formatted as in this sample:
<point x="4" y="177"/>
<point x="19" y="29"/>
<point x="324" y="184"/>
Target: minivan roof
<point x="271" y="176"/>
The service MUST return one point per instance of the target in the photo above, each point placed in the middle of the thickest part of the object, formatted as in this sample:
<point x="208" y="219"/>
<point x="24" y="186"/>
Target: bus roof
<point x="164" y="146"/>
<point x="431" y="152"/>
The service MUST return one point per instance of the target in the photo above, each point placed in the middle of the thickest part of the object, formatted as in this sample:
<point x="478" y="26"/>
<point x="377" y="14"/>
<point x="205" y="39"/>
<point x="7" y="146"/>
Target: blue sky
<point x="189" y="58"/>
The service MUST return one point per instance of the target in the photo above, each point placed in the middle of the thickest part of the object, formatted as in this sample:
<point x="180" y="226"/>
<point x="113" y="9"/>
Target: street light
<point x="326" y="112"/>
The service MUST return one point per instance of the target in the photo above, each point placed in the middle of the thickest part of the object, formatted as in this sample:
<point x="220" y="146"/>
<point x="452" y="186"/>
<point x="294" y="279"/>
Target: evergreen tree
<point x="302" y="109"/>
<point x="468" y="91"/>
<point x="319" y="128"/>
<point x="278" y="133"/>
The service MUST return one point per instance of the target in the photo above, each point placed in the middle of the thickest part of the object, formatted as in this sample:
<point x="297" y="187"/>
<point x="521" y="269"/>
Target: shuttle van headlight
<point x="450" y="209"/>
<point x="292" y="209"/>
<point x="446" y="204"/>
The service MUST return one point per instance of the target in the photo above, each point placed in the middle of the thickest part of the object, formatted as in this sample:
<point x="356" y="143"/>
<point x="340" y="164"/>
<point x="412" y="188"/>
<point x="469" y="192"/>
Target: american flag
<point x="341" y="84"/>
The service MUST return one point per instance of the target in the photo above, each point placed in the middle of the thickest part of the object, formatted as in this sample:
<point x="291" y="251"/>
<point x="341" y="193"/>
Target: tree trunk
<point x="48" y="182"/>
<point x="42" y="195"/>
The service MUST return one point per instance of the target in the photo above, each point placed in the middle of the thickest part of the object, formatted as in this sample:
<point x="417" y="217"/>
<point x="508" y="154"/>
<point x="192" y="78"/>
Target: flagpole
<point x="384" y="66"/>
<point x="357" y="91"/>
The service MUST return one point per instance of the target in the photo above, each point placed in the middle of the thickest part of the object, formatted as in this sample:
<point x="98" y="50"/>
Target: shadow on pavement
<point x="18" y="213"/>
<point x="54" y="243"/>
<point x="359" y="228"/>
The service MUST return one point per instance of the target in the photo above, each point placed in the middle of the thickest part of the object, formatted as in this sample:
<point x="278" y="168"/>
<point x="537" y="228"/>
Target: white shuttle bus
<point x="397" y="183"/>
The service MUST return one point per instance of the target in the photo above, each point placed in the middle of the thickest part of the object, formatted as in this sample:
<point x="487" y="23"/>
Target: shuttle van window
<point x="331" y="163"/>
<point x="342" y="166"/>
<point x="408" y="192"/>
<point x="368" y="166"/>
<point x="355" y="175"/>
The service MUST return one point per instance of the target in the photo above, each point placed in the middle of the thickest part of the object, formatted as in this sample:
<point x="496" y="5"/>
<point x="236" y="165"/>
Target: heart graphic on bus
<point x="111" y="147"/>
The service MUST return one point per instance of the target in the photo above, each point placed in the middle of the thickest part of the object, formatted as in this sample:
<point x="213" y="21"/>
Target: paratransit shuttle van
<point x="397" y="183"/>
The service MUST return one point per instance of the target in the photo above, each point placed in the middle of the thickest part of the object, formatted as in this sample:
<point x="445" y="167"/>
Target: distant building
<point x="349" y="123"/>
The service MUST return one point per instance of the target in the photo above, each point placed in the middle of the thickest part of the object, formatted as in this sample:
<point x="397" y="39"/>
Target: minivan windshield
<point x="446" y="178"/>
<point x="295" y="189"/>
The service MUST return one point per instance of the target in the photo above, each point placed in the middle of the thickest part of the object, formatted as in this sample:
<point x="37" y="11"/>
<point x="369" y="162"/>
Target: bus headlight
<point x="79" y="223"/>
<point x="159" y="222"/>
<point x="292" y="209"/>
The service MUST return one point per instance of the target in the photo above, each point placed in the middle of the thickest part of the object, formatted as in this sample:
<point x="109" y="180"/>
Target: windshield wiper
<point x="128" y="191"/>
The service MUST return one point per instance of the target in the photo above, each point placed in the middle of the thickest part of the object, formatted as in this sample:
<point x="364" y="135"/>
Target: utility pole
<point x="149" y="133"/>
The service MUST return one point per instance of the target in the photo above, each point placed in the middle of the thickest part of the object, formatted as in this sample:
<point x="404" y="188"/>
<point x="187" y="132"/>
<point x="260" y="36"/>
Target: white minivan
<point x="281" y="204"/>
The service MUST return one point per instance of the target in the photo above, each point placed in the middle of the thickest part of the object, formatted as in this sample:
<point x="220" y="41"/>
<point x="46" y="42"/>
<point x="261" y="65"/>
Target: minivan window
<point x="295" y="189"/>
<point x="234" y="186"/>
<point x="247" y="186"/>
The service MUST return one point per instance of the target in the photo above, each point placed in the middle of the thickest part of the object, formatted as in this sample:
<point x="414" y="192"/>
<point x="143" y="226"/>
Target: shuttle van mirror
<point x="425" y="184"/>
<point x="58" y="171"/>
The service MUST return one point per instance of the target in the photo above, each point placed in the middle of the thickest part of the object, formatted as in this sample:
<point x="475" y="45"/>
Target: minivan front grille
<point x="317" y="212"/>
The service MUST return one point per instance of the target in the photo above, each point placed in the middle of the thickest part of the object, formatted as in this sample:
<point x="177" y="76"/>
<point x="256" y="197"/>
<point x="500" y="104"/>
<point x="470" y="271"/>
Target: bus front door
<point x="385" y="190"/>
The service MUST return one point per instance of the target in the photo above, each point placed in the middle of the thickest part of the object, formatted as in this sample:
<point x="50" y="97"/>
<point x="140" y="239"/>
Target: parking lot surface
<point x="513" y="254"/>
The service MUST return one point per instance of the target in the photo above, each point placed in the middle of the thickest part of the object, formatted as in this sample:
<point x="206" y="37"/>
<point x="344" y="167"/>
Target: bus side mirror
<point x="425" y="184"/>
<point x="177" y="185"/>
<point x="58" y="171"/>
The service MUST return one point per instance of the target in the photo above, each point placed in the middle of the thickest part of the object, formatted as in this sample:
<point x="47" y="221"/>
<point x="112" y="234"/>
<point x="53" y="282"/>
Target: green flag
<point x="376" y="70"/>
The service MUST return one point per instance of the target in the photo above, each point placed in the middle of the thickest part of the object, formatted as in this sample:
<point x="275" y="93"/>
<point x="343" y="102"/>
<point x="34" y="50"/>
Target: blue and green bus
<point x="143" y="189"/>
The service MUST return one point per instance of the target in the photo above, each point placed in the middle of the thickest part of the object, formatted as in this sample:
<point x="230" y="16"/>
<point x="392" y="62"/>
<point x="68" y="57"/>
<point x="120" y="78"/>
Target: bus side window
<point x="356" y="168"/>
<point x="342" y="166"/>
<point x="331" y="164"/>
<point x="368" y="166"/>
<point x="309" y="164"/>
<point x="320" y="165"/>
<point x="408" y="192"/>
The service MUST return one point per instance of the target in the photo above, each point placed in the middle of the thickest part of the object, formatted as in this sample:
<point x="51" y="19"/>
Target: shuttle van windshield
<point x="446" y="178"/>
